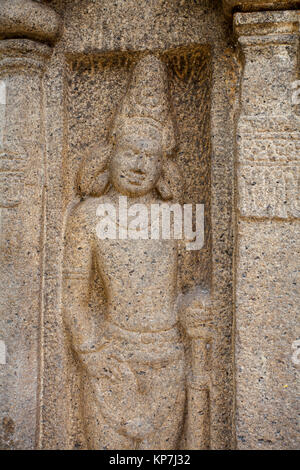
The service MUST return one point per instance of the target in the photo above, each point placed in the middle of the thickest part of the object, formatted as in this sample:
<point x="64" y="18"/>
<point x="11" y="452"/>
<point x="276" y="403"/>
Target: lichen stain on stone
<point x="6" y="432"/>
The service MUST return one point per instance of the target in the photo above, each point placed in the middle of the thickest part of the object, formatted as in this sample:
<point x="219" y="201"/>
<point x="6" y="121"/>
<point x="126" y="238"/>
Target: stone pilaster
<point x="23" y="60"/>
<point x="267" y="169"/>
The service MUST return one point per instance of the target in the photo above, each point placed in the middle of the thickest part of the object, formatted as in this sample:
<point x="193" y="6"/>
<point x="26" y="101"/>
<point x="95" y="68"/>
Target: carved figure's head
<point x="137" y="159"/>
<point x="142" y="139"/>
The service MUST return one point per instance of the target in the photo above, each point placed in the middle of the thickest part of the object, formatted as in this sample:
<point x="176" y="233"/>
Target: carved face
<point x="136" y="164"/>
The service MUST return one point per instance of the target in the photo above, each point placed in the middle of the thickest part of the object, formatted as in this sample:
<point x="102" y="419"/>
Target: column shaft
<point x="22" y="176"/>
<point x="268" y="143"/>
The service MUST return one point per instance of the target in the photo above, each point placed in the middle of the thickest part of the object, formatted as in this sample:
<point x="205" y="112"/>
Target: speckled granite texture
<point x="142" y="344"/>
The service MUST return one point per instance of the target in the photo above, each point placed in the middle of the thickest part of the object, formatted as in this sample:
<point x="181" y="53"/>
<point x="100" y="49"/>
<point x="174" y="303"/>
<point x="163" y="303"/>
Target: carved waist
<point x="171" y="335"/>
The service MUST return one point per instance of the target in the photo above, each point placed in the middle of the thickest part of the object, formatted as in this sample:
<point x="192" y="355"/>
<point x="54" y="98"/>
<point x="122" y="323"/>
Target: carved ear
<point x="169" y="185"/>
<point x="93" y="175"/>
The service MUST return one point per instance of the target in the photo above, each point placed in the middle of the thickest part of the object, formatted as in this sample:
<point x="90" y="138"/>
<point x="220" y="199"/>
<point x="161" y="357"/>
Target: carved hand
<point x="194" y="310"/>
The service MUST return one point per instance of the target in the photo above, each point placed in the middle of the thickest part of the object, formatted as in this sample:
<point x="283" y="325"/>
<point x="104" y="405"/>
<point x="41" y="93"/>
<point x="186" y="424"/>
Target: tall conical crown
<point x="146" y="106"/>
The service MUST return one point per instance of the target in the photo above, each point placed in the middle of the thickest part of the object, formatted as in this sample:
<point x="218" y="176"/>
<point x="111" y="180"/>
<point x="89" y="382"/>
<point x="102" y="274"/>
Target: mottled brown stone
<point x="203" y="344"/>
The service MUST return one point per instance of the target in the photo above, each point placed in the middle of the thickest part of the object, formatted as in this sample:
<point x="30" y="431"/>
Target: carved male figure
<point x="133" y="364"/>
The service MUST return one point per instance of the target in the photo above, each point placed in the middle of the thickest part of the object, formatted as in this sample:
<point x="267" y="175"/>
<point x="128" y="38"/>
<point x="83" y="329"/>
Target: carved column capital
<point x="23" y="55"/>
<point x="231" y="6"/>
<point x="28" y="19"/>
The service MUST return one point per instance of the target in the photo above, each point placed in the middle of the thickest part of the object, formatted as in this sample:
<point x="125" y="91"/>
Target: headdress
<point x="145" y="108"/>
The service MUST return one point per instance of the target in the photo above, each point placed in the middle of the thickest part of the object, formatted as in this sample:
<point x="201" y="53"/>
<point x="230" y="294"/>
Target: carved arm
<point x="76" y="282"/>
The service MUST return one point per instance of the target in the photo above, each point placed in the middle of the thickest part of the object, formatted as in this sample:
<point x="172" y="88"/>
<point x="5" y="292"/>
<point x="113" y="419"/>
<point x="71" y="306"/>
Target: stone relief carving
<point x="133" y="359"/>
<point x="28" y="30"/>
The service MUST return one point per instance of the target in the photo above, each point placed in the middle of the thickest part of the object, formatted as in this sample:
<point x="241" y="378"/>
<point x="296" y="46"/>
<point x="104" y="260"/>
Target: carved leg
<point x="165" y="391"/>
<point x="100" y="434"/>
<point x="167" y="437"/>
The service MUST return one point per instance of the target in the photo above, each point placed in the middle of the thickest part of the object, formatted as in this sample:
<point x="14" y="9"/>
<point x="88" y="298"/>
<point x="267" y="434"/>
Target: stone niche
<point x="97" y="84"/>
<point x="94" y="55"/>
